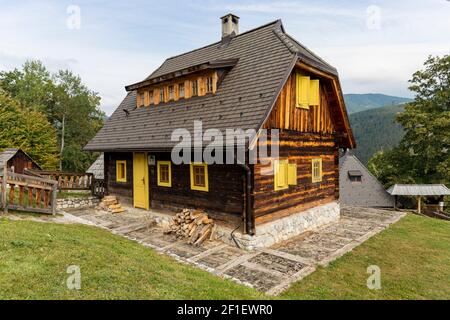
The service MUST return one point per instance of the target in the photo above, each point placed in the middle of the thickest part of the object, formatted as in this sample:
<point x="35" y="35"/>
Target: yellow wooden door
<point x="140" y="180"/>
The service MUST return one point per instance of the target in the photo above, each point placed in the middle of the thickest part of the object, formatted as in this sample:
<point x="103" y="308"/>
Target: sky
<point x="375" y="45"/>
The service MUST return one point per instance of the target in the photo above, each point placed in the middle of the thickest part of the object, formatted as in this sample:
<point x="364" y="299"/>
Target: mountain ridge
<point x="368" y="101"/>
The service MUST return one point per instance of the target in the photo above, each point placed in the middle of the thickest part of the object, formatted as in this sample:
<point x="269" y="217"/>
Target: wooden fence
<point x="27" y="193"/>
<point x="67" y="180"/>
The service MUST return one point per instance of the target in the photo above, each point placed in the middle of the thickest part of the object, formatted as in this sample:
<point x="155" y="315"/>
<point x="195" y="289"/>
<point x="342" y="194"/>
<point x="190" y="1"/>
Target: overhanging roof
<point x="419" y="190"/>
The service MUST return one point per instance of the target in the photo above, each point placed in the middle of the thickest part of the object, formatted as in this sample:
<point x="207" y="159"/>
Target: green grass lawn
<point x="34" y="258"/>
<point x="413" y="254"/>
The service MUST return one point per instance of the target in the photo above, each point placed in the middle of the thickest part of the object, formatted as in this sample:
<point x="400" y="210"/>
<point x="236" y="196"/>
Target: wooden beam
<point x="4" y="185"/>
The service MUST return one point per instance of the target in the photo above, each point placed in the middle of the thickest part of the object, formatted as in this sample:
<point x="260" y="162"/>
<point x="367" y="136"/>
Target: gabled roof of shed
<point x="265" y="57"/>
<point x="8" y="153"/>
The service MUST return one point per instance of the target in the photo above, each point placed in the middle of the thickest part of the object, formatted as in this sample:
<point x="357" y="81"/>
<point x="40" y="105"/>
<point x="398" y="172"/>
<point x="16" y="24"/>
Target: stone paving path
<point x="269" y="270"/>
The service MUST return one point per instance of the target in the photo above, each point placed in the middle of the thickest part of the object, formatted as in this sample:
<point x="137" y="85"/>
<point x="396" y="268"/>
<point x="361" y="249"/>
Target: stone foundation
<point x="269" y="233"/>
<point x="282" y="229"/>
<point x="76" y="203"/>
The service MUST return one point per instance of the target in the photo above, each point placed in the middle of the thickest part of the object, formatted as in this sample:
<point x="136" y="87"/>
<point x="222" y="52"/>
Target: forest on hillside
<point x="376" y="130"/>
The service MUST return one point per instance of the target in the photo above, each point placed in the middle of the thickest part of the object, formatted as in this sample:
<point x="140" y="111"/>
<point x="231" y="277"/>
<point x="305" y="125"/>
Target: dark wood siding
<point x="124" y="190"/>
<point x="226" y="190"/>
<point x="299" y="148"/>
<point x="20" y="161"/>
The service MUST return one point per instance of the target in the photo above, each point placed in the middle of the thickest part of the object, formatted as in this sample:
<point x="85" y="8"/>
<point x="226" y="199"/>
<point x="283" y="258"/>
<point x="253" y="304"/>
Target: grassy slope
<point x="414" y="257"/>
<point x="376" y="130"/>
<point x="34" y="258"/>
<point x="413" y="254"/>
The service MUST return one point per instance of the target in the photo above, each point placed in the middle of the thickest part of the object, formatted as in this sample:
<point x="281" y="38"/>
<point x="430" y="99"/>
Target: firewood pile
<point x="110" y="204"/>
<point x="192" y="224"/>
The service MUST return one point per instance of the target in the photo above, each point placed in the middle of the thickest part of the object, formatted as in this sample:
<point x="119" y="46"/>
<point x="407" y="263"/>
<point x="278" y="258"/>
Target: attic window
<point x="171" y="93"/>
<point x="209" y="84"/>
<point x="142" y="100"/>
<point x="150" y="97"/>
<point x="161" y="95"/>
<point x="195" y="87"/>
<point x="355" y="175"/>
<point x="181" y="92"/>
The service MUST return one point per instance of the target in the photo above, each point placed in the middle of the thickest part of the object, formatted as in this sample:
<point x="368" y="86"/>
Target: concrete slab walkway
<point x="269" y="270"/>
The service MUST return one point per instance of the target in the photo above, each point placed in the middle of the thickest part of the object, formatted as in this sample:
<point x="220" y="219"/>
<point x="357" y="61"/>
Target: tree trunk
<point x="62" y="141"/>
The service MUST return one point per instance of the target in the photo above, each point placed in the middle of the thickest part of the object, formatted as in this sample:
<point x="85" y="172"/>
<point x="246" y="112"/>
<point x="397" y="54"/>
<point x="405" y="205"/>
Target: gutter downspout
<point x="249" y="224"/>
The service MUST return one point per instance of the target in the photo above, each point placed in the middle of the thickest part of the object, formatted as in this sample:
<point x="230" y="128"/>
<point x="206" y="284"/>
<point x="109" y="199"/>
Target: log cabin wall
<point x="299" y="148"/>
<point x="225" y="195"/>
<point x="123" y="190"/>
<point x="305" y="134"/>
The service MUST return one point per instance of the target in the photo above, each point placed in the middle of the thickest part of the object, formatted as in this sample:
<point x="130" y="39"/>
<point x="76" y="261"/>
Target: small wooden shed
<point x="17" y="160"/>
<point x="419" y="191"/>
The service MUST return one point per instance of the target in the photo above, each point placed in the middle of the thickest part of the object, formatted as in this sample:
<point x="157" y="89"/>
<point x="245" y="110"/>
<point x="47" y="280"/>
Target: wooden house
<point x="259" y="79"/>
<point x="17" y="160"/>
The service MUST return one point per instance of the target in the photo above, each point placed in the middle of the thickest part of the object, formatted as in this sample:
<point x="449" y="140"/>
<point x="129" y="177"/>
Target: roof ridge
<point x="291" y="38"/>
<point x="278" y="21"/>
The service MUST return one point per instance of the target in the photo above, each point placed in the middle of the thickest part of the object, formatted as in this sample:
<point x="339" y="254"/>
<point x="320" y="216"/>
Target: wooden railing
<point x="27" y="193"/>
<point x="66" y="180"/>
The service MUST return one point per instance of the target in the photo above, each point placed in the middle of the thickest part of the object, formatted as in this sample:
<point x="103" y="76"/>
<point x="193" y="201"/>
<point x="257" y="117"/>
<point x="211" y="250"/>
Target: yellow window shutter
<point x="314" y="93"/>
<point x="303" y="88"/>
<point x="292" y="175"/>
<point x="281" y="174"/>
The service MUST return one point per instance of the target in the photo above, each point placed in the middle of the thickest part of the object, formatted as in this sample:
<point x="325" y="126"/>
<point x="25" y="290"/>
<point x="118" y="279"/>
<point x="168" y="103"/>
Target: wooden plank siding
<point x="124" y="190"/>
<point x="187" y="80"/>
<point x="225" y="198"/>
<point x="20" y="162"/>
<point x="225" y="195"/>
<point x="285" y="115"/>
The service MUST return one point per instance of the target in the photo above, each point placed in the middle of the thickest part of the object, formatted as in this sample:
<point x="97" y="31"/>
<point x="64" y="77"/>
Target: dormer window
<point x="209" y="84"/>
<point x="142" y="99"/>
<point x="161" y="95"/>
<point x="171" y="93"/>
<point x="195" y="87"/>
<point x="150" y="97"/>
<point x="181" y="93"/>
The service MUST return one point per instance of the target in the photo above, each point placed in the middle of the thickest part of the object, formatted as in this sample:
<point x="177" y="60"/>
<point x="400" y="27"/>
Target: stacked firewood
<point x="111" y="204"/>
<point x="192" y="224"/>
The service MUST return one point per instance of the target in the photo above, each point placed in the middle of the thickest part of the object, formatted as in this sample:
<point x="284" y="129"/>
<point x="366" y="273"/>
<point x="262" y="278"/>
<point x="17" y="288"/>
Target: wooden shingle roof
<point x="265" y="57"/>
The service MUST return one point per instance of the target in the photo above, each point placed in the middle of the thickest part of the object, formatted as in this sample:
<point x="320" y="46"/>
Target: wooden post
<point x="419" y="205"/>
<point x="395" y="203"/>
<point x="54" y="193"/>
<point x="4" y="184"/>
